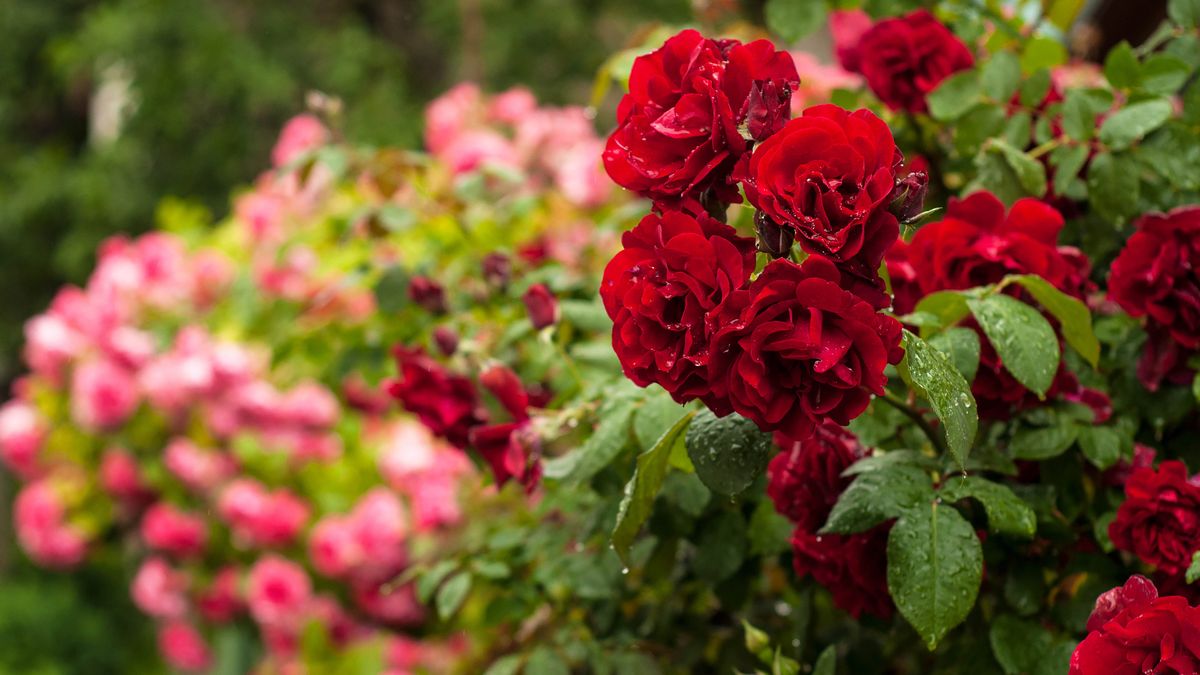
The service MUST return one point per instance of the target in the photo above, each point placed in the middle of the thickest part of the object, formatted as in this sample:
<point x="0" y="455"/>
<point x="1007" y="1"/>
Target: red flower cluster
<point x="905" y="58"/>
<point x="1133" y="631"/>
<point x="804" y="482"/>
<point x="1157" y="275"/>
<point x="800" y="343"/>
<point x="1159" y="521"/>
<point x="978" y="244"/>
<point x="678" y="127"/>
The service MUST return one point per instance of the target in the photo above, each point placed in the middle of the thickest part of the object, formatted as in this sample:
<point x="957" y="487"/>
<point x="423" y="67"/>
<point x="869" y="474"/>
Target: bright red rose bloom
<point x="905" y="58"/>
<point x="795" y="348"/>
<point x="828" y="175"/>
<point x="1159" y="521"/>
<point x="1157" y="275"/>
<point x="677" y="128"/>
<point x="805" y="481"/>
<point x="444" y="402"/>
<point x="512" y="449"/>
<point x="661" y="291"/>
<point x="1133" y="631"/>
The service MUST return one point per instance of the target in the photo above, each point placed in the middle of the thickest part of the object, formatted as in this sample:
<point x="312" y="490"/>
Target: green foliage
<point x="934" y="376"/>
<point x="728" y="452"/>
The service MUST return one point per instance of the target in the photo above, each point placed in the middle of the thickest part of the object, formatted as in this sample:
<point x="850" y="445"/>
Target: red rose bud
<point x="497" y="269"/>
<point x="768" y="108"/>
<point x="773" y="240"/>
<point x="504" y="384"/>
<point x="908" y="198"/>
<point x="428" y="294"/>
<point x="446" y="340"/>
<point x="541" y="305"/>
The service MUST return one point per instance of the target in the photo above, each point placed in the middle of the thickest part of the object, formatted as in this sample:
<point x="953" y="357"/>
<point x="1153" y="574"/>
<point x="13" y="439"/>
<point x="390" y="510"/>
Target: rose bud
<point x="446" y="340"/>
<point x="427" y="293"/>
<point x="541" y="305"/>
<point x="768" y="108"/>
<point x="497" y="269"/>
<point x="773" y="240"/>
<point x="908" y="198"/>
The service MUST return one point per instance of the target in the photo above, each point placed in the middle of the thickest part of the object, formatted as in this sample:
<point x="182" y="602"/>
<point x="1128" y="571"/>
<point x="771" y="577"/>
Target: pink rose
<point x="388" y="603"/>
<point x="197" y="468"/>
<point x="170" y="530"/>
<point x="512" y="106"/>
<point x="22" y="432"/>
<point x="42" y="530"/>
<point x="159" y="590"/>
<point x="301" y="134"/>
<point x="332" y="547"/>
<point x="310" y="405"/>
<point x="277" y="591"/>
<point x="448" y="114"/>
<point x="183" y="648"/>
<point x="380" y="525"/>
<point x="121" y="477"/>
<point x="50" y="344"/>
<point x="221" y="600"/>
<point x="103" y="395"/>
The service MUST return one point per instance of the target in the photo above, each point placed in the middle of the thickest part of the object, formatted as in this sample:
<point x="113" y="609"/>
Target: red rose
<point x="805" y="481"/>
<point x="905" y="58"/>
<point x="829" y="175"/>
<point x="677" y="128"/>
<point x="795" y="348"/>
<point x="512" y="450"/>
<point x="427" y="293"/>
<point x="661" y="292"/>
<point x="1159" y="521"/>
<point x="1133" y="631"/>
<point x="1156" y="276"/>
<point x="445" y="403"/>
<point x="541" y="306"/>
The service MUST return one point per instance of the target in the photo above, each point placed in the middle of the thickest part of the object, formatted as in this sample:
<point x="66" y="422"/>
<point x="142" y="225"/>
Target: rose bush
<point x="924" y="402"/>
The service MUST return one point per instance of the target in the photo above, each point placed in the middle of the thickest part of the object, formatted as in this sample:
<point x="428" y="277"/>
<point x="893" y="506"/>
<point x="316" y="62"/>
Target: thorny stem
<point x="934" y="437"/>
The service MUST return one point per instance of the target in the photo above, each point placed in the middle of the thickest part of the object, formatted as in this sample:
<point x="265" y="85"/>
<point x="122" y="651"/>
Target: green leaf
<point x="1062" y="13"/>
<point x="1034" y="88"/>
<point x="794" y="19"/>
<point x="1193" y="570"/>
<point x="954" y="96"/>
<point x="1067" y="161"/>
<point x="505" y="665"/>
<point x="391" y="291"/>
<point x="543" y="661"/>
<point x="1000" y="77"/>
<point x="963" y="348"/>
<point x="1072" y="314"/>
<point x="1121" y="67"/>
<point x="770" y="533"/>
<point x="1184" y="13"/>
<point x="878" y="496"/>
<point x="1078" y="120"/>
<point x="1164" y="74"/>
<point x="1006" y="513"/>
<point x="1042" y="52"/>
<point x="1030" y="173"/>
<point x="1101" y="445"/>
<point x="428" y="582"/>
<point x="1113" y="189"/>
<point x="1024" y="340"/>
<point x="884" y="460"/>
<point x="1019" y="646"/>
<point x="1043" y="442"/>
<point x="934" y="567"/>
<point x="598" y="451"/>
<point x="949" y="307"/>
<point x="588" y="315"/>
<point x="643" y="487"/>
<point x="452" y="594"/>
<point x="728" y="452"/>
<point x="654" y="417"/>
<point x="1133" y="122"/>
<point x="827" y="662"/>
<point x="721" y="548"/>
<point x="944" y="387"/>
<point x="983" y="122"/>
<point x="1025" y="587"/>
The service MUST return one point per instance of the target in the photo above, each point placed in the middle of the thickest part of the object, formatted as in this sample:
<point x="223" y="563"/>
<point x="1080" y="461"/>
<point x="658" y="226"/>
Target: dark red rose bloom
<point x="1118" y="474"/>
<point x="677" y="128"/>
<point x="795" y="348"/>
<point x="805" y="481"/>
<point x="829" y="175"/>
<point x="661" y="291"/>
<point x="497" y="269"/>
<point x="444" y="402"/>
<point x="446" y="340"/>
<point x="906" y="289"/>
<point x="905" y="58"/>
<point x="1133" y="631"/>
<point x="1159" y="521"/>
<point x="512" y="450"/>
<point x="1157" y="275"/>
<point x="428" y="294"/>
<point x="541" y="306"/>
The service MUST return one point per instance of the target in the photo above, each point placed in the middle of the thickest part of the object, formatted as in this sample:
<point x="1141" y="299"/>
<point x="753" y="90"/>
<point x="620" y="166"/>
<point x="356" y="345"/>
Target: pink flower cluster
<point x="141" y="415"/>
<point x="547" y="145"/>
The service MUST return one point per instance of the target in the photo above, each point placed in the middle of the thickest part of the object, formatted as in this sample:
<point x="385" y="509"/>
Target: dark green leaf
<point x="391" y="291"/>
<point x="1121" y="67"/>
<point x="721" y="548"/>
<point x="962" y="346"/>
<point x="1101" y="445"/>
<point x="1078" y="120"/>
<point x="1000" y="77"/>
<point x="883" y="460"/>
<point x="1072" y="314"/>
<point x="643" y="487"/>
<point x="1018" y="645"/>
<point x="1025" y="587"/>
<point x="586" y="315"/>
<point x="878" y="496"/>
<point x="954" y="96"/>
<point x="728" y="452"/>
<point x="1043" y="443"/>
<point x="1113" y="188"/>
<point x="1006" y="513"/>
<point x="1185" y="13"/>
<point x="452" y="594"/>
<point x="944" y="387"/>
<point x="934" y="566"/>
<point x="1034" y="88"/>
<point x="428" y="582"/>
<point x="610" y="438"/>
<point x="1024" y="340"/>
<point x="543" y="661"/>
<point x="827" y="662"/>
<point x="770" y="533"/>
<point x="1067" y="161"/>
<point x="1163" y="74"/>
<point x="1133" y="122"/>
<point x="794" y="19"/>
<point x="1030" y="173"/>
<point x="654" y="417"/>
